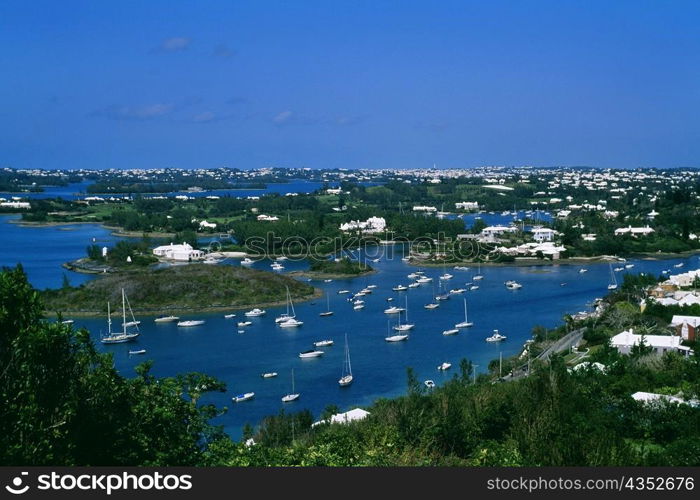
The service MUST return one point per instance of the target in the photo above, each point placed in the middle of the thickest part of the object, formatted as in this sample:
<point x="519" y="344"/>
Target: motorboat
<point x="393" y="310"/>
<point x="474" y="287"/>
<point x="357" y="307"/>
<point x="496" y="337"/>
<point x="432" y="305"/>
<point x="247" y="261"/>
<point x="371" y="287"/>
<point x="513" y="285"/>
<point x="131" y="323"/>
<point x="446" y="276"/>
<point x="456" y="291"/>
<point x="243" y="397"/>
<point x="415" y="284"/>
<point x="629" y="266"/>
<point x="229" y="316"/>
<point x="400" y="288"/>
<point x="341" y="292"/>
<point x="269" y="375"/>
<point x="424" y="279"/>
<point x="323" y="343"/>
<point x="191" y="322"/>
<point x="680" y="264"/>
<point x="583" y="270"/>
<point x="67" y="322"/>
<point x="444" y="366"/>
<point x="311" y="353"/>
<point x="429" y="384"/>
<point x="139" y="351"/>
<point x="244" y="323"/>
<point x="254" y="313"/>
<point x="452" y="331"/>
<point x="291" y="323"/>
<point x="166" y="319"/>
<point x="618" y="269"/>
<point x="461" y="268"/>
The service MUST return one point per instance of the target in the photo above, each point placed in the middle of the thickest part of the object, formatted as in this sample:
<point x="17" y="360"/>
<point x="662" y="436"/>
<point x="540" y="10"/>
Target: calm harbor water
<point x="78" y="191"/>
<point x="217" y="348"/>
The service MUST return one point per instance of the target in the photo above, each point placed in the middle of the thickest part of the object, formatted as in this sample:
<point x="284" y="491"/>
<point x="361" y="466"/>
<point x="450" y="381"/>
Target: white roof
<point x="629" y="338"/>
<point x="679" y="320"/>
<point x="344" y="418"/>
<point x="652" y="397"/>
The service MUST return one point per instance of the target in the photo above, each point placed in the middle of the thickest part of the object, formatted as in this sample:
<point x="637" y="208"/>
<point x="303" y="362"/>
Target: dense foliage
<point x="177" y="288"/>
<point x="63" y="403"/>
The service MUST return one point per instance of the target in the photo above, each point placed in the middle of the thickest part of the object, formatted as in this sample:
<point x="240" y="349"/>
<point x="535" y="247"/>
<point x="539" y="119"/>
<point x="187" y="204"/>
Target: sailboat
<point x="124" y="336"/>
<point x="346" y="378"/>
<point x="292" y="396"/>
<point x="466" y="323"/>
<point x="328" y="311"/>
<point x="478" y="275"/>
<point x="441" y="295"/>
<point x="613" y="280"/>
<point x="406" y="326"/>
<point x="394" y="338"/>
<point x="288" y="315"/>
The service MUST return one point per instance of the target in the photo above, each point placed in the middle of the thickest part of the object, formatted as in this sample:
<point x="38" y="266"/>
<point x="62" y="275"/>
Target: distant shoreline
<point x="318" y="293"/>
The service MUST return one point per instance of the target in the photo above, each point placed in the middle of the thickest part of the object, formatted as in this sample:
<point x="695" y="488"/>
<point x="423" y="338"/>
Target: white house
<point x="15" y="204"/>
<point x="207" y="225"/>
<point x="424" y="209"/>
<point x="370" y="226"/>
<point x="345" y="418"/>
<point x="543" y="234"/>
<point x="334" y="191"/>
<point x="183" y="252"/>
<point x="661" y="344"/>
<point x="268" y="218"/>
<point x="634" y="231"/>
<point x="467" y="205"/>
<point x="491" y="232"/>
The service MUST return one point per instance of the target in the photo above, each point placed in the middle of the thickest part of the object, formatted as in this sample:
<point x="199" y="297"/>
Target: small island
<point x="340" y="268"/>
<point x="178" y="289"/>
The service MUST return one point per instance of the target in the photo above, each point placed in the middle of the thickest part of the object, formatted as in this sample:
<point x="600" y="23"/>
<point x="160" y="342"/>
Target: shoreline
<point x="318" y="293"/>
<point x="317" y="275"/>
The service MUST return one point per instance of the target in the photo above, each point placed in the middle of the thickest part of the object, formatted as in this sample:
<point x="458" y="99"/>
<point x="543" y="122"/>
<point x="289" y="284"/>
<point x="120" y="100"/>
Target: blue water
<point x="379" y="367"/>
<point x="42" y="250"/>
<point x="78" y="191"/>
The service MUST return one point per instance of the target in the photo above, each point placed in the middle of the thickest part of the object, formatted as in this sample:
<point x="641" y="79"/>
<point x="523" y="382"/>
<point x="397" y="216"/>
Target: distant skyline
<point x="349" y="84"/>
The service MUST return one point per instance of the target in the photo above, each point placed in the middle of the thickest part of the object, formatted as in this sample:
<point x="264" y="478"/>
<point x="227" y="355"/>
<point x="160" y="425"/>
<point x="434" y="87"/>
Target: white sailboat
<point x="466" y="323"/>
<point x="613" y="280"/>
<point x="496" y="337"/>
<point x="394" y="338"/>
<point x="292" y="396"/>
<point x="125" y="335"/>
<point x="289" y="314"/>
<point x="478" y="276"/>
<point x="406" y="326"/>
<point x="346" y="376"/>
<point x="328" y="311"/>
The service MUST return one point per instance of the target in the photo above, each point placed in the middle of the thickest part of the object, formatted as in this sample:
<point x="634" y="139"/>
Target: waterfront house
<point x="183" y="252"/>
<point x="661" y="344"/>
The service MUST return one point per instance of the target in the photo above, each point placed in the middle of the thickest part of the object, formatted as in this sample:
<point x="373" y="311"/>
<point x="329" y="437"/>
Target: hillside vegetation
<point x="189" y="287"/>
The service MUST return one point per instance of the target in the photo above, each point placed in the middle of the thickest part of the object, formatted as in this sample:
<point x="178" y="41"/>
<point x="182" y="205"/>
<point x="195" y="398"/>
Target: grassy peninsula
<point x="188" y="288"/>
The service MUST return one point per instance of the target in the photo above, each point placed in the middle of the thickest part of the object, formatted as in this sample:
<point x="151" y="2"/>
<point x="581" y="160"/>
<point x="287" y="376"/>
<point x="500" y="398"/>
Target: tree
<point x="63" y="403"/>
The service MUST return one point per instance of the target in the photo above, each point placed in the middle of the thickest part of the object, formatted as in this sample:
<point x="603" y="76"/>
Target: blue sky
<point x="371" y="84"/>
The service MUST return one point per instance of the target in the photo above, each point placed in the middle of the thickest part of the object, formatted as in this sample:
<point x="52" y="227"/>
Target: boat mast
<point x="123" y="312"/>
<point x="109" y="320"/>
